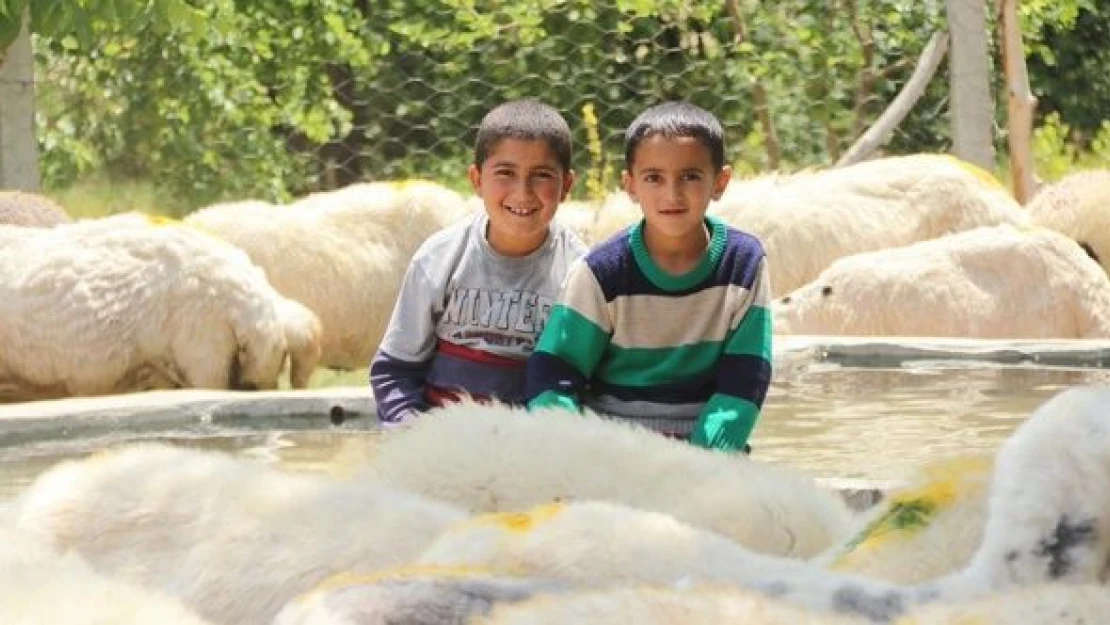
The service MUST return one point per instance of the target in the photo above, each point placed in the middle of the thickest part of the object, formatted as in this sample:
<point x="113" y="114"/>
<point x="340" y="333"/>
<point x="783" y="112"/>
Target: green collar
<point x="670" y="282"/>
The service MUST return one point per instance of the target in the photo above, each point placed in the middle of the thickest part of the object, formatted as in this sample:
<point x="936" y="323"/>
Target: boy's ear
<point x="475" y="175"/>
<point x="626" y="182"/>
<point x="568" y="182"/>
<point x="721" y="183"/>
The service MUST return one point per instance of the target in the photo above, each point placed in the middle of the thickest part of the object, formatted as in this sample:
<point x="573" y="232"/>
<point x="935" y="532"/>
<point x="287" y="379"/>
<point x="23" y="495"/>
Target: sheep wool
<point x="1078" y="206"/>
<point x="39" y="586"/>
<point x="412" y="595"/>
<point x="923" y="530"/>
<point x="19" y="208"/>
<point x="120" y="304"/>
<point x="808" y="220"/>
<point x="491" y="458"/>
<point x="645" y="605"/>
<point x="989" y="283"/>
<point x="341" y="253"/>
<point x="232" y="538"/>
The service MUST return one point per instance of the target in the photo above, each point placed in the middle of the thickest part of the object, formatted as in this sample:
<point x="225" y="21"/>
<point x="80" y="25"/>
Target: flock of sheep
<point x="922" y="245"/>
<point x="454" y="522"/>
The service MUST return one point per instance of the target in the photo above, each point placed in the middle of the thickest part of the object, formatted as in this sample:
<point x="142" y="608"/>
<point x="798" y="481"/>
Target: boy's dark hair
<point x="673" y="120"/>
<point x="528" y="120"/>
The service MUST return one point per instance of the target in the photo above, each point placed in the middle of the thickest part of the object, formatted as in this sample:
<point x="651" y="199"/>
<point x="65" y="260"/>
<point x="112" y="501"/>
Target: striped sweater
<point x="687" y="355"/>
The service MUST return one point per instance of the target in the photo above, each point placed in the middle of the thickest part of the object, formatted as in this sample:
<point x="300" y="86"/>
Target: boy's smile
<point x="521" y="185"/>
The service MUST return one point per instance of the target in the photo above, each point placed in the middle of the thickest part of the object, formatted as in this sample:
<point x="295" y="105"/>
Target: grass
<point x="99" y="197"/>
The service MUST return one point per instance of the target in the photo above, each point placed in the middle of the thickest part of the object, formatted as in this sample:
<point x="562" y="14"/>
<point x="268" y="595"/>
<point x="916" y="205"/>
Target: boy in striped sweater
<point x="666" y="324"/>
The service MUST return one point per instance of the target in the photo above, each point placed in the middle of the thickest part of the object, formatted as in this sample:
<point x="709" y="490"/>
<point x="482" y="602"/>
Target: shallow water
<point x="827" y="420"/>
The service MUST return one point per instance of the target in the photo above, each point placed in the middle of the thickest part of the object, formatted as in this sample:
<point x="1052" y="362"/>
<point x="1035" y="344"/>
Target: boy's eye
<point x="652" y="178"/>
<point x="503" y="173"/>
<point x="692" y="176"/>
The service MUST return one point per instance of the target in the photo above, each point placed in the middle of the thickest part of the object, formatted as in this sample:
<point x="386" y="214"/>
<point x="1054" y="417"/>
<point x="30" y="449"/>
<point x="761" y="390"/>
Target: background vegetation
<point x="184" y="104"/>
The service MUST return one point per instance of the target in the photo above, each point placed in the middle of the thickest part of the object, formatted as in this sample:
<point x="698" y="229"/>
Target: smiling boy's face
<point x="521" y="184"/>
<point x="673" y="179"/>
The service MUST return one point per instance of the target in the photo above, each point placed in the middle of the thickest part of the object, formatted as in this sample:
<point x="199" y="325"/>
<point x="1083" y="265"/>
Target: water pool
<point x="863" y="410"/>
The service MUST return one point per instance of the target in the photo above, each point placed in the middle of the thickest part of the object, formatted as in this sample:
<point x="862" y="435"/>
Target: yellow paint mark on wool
<point x="981" y="174"/>
<point x="401" y="185"/>
<point x="161" y="220"/>
<point x="411" y="571"/>
<point x="910" y="511"/>
<point x="523" y="521"/>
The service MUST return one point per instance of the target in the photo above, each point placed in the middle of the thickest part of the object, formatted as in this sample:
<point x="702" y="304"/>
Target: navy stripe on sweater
<point x="615" y="267"/>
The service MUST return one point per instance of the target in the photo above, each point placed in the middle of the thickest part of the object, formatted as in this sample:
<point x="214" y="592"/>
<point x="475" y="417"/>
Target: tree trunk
<point x="19" y="163"/>
<point x="880" y="132"/>
<point x="1020" y="104"/>
<point x="759" y="93"/>
<point x="972" y="108"/>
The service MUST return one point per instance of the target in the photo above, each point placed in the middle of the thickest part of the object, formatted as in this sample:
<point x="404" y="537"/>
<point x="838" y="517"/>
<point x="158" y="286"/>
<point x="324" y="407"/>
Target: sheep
<point x="39" y="586"/>
<point x="644" y="605"/>
<point x="596" y="221"/>
<point x="490" y="457"/>
<point x="808" y="220"/>
<point x="1078" y="206"/>
<point x="18" y="208"/>
<point x="410" y="595"/>
<point x="984" y="283"/>
<point x="233" y="539"/>
<point x="117" y="305"/>
<point x="341" y="253"/>
<point x="927" y="528"/>
<point x="1048" y="522"/>
<point x="1046" y="604"/>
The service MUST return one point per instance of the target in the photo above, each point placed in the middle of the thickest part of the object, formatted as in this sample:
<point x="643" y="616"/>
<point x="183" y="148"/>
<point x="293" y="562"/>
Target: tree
<point x="972" y="107"/>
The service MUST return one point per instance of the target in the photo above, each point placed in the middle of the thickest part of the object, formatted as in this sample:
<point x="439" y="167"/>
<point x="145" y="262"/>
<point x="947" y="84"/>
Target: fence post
<point x="972" y="107"/>
<point x="19" y="161"/>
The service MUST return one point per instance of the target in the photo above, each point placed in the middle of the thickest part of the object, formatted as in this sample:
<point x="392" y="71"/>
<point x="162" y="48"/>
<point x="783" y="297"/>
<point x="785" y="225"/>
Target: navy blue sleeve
<point x="398" y="387"/>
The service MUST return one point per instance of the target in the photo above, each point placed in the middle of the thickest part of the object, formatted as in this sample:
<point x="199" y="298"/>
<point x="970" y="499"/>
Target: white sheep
<point x="19" y="208"/>
<point x="645" y="605"/>
<point x="1047" y="604"/>
<point x="125" y="304"/>
<point x="596" y="221"/>
<point x="1078" y="206"/>
<point x="986" y="283"/>
<point x="491" y="457"/>
<point x="232" y="538"/>
<point x="39" y="586"/>
<point x="808" y="220"/>
<point x="920" y="531"/>
<point x="410" y="595"/>
<point x="1048" y="522"/>
<point x="341" y="253"/>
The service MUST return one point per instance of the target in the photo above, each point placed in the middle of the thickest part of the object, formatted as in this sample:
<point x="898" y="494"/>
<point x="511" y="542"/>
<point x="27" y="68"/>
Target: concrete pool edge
<point x="874" y="351"/>
<point x="164" y="410"/>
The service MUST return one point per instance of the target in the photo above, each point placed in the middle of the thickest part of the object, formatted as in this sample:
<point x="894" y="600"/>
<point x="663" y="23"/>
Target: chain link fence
<point x="276" y="100"/>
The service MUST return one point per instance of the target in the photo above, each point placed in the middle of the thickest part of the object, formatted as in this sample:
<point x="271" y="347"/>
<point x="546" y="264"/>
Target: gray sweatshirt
<point x="467" y="318"/>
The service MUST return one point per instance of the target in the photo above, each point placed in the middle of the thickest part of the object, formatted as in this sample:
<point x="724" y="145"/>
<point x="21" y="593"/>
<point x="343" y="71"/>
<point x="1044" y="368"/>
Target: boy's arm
<point x="743" y="376"/>
<point x="571" y="344"/>
<point x="399" y="368"/>
<point x="398" y="388"/>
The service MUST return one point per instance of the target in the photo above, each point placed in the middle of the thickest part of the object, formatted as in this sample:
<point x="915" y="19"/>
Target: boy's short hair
<point x="528" y="120"/>
<point x="672" y="120"/>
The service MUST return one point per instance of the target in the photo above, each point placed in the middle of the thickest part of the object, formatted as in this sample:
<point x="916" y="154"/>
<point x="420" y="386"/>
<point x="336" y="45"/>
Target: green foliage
<point x="1056" y="153"/>
<point x="236" y="98"/>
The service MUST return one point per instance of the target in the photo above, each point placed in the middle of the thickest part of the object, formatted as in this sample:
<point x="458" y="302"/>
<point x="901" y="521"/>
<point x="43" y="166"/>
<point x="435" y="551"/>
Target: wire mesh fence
<point x="272" y="100"/>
